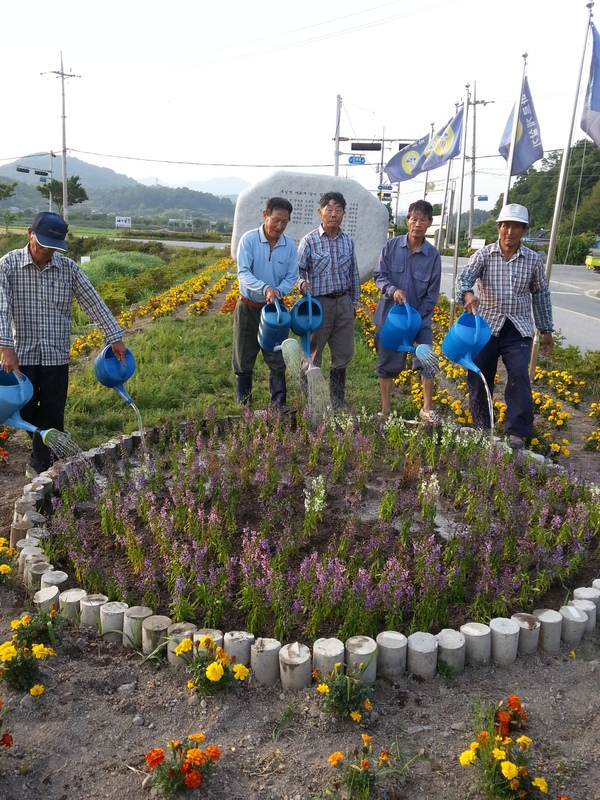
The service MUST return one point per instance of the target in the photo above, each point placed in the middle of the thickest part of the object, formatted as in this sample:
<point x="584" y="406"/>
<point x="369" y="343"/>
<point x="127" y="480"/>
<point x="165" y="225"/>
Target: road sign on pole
<point x="384" y="188"/>
<point x="356" y="160"/>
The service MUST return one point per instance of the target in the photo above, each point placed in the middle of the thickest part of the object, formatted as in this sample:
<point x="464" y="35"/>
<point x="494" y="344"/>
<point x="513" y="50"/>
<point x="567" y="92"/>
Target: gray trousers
<point x="246" y="321"/>
<point x="336" y="330"/>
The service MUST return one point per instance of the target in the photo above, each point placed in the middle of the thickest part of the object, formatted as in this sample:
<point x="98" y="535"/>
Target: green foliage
<point x="209" y="666"/>
<point x="574" y="250"/>
<point x="7" y="190"/>
<point x="75" y="192"/>
<point x="105" y="265"/>
<point x="345" y="694"/>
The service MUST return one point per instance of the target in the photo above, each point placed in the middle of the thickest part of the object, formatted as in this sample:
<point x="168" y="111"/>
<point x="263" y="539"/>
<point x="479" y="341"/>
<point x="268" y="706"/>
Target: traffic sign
<point x="483" y="198"/>
<point x="386" y="188"/>
<point x="356" y="160"/>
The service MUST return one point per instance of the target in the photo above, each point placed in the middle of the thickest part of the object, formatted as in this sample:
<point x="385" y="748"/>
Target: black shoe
<point x="516" y="443"/>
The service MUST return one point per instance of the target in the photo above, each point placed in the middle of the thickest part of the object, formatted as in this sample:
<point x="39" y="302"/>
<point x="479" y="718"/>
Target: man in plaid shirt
<point x="37" y="286"/>
<point x="511" y="284"/>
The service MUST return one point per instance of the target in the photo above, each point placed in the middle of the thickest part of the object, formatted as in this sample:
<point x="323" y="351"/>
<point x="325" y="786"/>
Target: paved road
<point x="197" y="245"/>
<point x="576" y="307"/>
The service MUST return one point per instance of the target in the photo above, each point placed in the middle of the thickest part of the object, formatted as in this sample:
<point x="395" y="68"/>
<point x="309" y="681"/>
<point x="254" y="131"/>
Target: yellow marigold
<point x="36" y="690"/>
<point x="366" y="738"/>
<point x="197" y="737"/>
<point x="467" y="757"/>
<point x="498" y="753"/>
<point x="474" y="746"/>
<point x="184" y="647"/>
<point x="367" y="706"/>
<point x="335" y="758"/>
<point x="356" y="716"/>
<point x="323" y="688"/>
<point x="15" y="624"/>
<point x="215" y="671"/>
<point x="206" y="642"/>
<point x="175" y="744"/>
<point x="3" y="541"/>
<point x="7" y="651"/>
<point x="191" y="685"/>
<point x="240" y="672"/>
<point x="524" y="743"/>
<point x="541" y="785"/>
<point x="509" y="770"/>
<point x="221" y="656"/>
<point x="5" y="569"/>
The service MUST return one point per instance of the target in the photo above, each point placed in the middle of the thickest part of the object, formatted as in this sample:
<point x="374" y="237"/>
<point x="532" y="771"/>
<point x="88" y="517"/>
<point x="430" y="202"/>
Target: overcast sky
<point x="240" y="88"/>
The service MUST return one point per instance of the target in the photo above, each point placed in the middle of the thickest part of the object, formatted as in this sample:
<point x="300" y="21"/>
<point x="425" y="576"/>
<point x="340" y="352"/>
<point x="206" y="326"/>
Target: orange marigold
<point x="213" y="752"/>
<point x="196" y="756"/>
<point x="503" y="719"/>
<point x="365" y="764"/>
<point x="483" y="737"/>
<point x="186" y="767"/>
<point x="193" y="779"/>
<point x="155" y="757"/>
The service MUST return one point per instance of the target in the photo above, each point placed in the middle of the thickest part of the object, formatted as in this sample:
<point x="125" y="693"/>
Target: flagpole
<point x="427" y="173"/>
<point x="561" y="189"/>
<point x="443" y="233"/>
<point x="459" y="206"/>
<point x="515" y="128"/>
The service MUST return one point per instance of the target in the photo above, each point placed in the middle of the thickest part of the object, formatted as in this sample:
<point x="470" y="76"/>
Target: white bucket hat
<point x="513" y="212"/>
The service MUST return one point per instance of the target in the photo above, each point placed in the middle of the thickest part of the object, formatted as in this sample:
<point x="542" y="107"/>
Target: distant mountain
<point x="109" y="191"/>
<point x="221" y="187"/>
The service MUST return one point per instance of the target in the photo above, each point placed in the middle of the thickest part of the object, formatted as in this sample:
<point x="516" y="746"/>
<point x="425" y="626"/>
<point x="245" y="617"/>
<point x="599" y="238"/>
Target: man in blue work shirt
<point x="267" y="269"/>
<point x="329" y="270"/>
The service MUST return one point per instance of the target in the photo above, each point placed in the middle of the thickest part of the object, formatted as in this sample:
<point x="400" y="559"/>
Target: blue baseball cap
<point x="50" y="230"/>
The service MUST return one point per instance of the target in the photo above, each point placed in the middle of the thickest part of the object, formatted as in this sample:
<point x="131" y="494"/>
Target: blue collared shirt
<point x="260" y="267"/>
<point x="418" y="274"/>
<point x="329" y="264"/>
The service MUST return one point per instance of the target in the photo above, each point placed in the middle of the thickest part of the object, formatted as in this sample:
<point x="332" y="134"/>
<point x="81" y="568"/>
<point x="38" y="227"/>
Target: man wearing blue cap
<point x="37" y="286"/>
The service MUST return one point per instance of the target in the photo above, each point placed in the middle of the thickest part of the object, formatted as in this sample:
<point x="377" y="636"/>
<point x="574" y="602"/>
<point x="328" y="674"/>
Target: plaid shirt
<point x="329" y="264"/>
<point x="508" y="288"/>
<point x="35" y="307"/>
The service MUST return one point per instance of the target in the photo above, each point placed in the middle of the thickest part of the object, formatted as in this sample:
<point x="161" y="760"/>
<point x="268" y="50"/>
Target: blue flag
<point x="407" y="163"/>
<point x="528" y="147"/>
<point x="590" y="119"/>
<point x="445" y="144"/>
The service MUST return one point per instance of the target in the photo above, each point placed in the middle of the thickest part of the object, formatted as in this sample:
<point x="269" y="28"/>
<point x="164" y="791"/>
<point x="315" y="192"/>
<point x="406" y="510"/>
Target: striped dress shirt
<point x="35" y="307"/>
<point x="508" y="289"/>
<point x="329" y="264"/>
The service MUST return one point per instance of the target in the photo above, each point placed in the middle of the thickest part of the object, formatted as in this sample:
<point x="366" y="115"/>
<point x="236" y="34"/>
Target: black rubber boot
<point x="277" y="388"/>
<point x="243" y="388"/>
<point x="337" y="387"/>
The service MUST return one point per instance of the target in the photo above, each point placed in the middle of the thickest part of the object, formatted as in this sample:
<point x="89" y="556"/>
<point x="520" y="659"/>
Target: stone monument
<point x="366" y="218"/>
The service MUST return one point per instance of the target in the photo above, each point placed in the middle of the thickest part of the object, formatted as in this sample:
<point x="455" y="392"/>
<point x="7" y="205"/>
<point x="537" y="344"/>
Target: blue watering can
<point x="274" y="326"/>
<point x="467" y="337"/>
<point x="306" y="316"/>
<point x="111" y="373"/>
<point x="400" y="328"/>
<point x="14" y="394"/>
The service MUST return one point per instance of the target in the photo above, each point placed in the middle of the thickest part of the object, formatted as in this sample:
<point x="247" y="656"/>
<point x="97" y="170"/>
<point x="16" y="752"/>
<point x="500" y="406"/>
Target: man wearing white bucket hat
<point x="37" y="287"/>
<point x="511" y="284"/>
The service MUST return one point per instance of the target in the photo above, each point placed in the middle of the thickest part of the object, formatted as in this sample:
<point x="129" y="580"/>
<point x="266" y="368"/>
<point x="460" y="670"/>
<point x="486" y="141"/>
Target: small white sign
<point x="122" y="222"/>
<point x="85" y="259"/>
<point x="477" y="244"/>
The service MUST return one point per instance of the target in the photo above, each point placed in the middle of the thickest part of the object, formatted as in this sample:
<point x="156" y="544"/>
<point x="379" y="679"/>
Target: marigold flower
<point x="315" y="674"/>
<point x="335" y="758"/>
<point x="221" y="656"/>
<point x="196" y="756"/>
<point x="240" y="672"/>
<point x="6" y="740"/>
<point x="541" y="785"/>
<point x="467" y="757"/>
<point x="186" y="767"/>
<point x="36" y="690"/>
<point x="215" y="671"/>
<point x="367" y="706"/>
<point x="155" y="757"/>
<point x="365" y="764"/>
<point x="524" y="743"/>
<point x="503" y="719"/>
<point x="5" y="569"/>
<point x="474" y="746"/>
<point x="323" y="688"/>
<point x="366" y="738"/>
<point x="191" y="684"/>
<point x="197" y="737"/>
<point x="509" y="770"/>
<point x="16" y="624"/>
<point x="213" y="752"/>
<point x="184" y="647"/>
<point x="384" y="756"/>
<point x="483" y="737"/>
<point x="193" y="779"/>
<point x="206" y="642"/>
<point x="498" y="753"/>
<point x="175" y="744"/>
<point x="356" y="716"/>
<point x="514" y="784"/>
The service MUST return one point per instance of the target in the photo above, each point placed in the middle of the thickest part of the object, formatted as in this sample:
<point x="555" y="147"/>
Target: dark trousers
<point x="46" y="409"/>
<point x="515" y="351"/>
<point x="246" y="322"/>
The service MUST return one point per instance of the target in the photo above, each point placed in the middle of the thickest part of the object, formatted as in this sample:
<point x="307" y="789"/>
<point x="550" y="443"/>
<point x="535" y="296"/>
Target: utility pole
<point x="474" y="103"/>
<point x="336" y="152"/>
<point x="61" y="73"/>
<point x="427" y="173"/>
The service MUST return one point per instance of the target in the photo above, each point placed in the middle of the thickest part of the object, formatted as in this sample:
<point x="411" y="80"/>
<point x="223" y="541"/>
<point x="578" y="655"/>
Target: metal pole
<point x="444" y="232"/>
<point x="427" y="173"/>
<point x="64" y="146"/>
<point x="336" y="152"/>
<point x="561" y="189"/>
<point x="513" y="135"/>
<point x="459" y="205"/>
<point x="50" y="188"/>
<point x="472" y="201"/>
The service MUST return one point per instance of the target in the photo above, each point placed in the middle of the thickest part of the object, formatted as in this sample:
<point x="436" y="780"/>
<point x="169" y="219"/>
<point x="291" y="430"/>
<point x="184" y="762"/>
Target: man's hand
<point x="271" y="294"/>
<point x="10" y="362"/>
<point x="547" y="344"/>
<point x="305" y="287"/>
<point x="119" y="350"/>
<point x="399" y="297"/>
<point x="471" y="302"/>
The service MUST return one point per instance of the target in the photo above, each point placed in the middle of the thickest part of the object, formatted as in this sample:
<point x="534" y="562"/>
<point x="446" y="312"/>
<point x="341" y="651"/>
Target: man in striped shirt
<point x="37" y="286"/>
<point x="511" y="284"/>
<point x="328" y="269"/>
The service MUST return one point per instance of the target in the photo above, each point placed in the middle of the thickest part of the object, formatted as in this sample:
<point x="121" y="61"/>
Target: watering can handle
<point x="278" y="307"/>
<point x="477" y="326"/>
<point x="21" y="379"/>
<point x="309" y="298"/>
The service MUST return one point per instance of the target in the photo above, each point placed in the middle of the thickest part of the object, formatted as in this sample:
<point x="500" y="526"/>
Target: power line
<point x="199" y="163"/>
